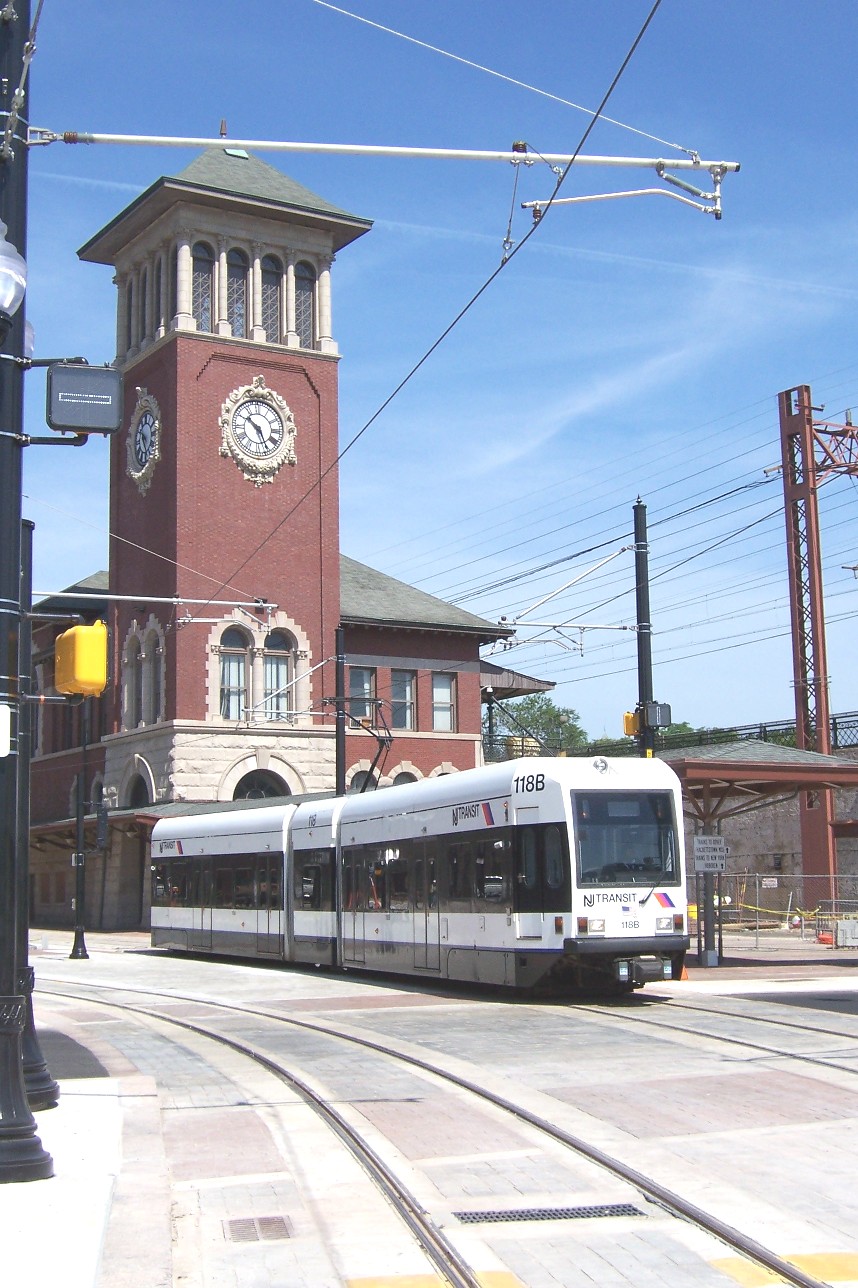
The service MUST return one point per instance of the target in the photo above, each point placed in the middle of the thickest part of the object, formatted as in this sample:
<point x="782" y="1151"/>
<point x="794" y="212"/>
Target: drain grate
<point x="253" y="1229"/>
<point x="551" y="1214"/>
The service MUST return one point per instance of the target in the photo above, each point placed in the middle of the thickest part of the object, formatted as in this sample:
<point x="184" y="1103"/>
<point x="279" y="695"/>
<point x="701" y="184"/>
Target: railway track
<point x="155" y="1006"/>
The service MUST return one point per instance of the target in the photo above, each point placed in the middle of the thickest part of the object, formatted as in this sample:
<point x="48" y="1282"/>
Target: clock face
<point x="258" y="428"/>
<point x="144" y="439"/>
<point x="258" y="431"/>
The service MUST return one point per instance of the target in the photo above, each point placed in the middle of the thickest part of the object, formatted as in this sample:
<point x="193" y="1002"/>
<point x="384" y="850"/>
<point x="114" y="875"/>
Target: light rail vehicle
<point x="542" y="872"/>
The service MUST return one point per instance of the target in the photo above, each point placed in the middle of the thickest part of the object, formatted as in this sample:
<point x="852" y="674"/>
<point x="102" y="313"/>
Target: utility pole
<point x="810" y="452"/>
<point x="646" y="732"/>
<point x="22" y="1157"/>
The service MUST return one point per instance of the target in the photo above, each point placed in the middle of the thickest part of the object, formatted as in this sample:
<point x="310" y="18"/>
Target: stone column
<point x="222" y="326"/>
<point x="121" y="280"/>
<point x="184" y="319"/>
<point x="291" y="333"/>
<point x="326" y="342"/>
<point x="256" y="331"/>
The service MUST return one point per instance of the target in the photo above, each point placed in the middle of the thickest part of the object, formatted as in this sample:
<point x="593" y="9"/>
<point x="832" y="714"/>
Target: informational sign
<point x="710" y="854"/>
<point x="84" y="399"/>
<point x="5" y="729"/>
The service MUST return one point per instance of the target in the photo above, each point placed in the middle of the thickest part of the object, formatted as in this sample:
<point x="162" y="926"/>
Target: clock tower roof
<point x="222" y="177"/>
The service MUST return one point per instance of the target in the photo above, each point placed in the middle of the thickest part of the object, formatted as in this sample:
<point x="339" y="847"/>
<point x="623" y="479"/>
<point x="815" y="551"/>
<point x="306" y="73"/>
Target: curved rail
<point x="654" y="1190"/>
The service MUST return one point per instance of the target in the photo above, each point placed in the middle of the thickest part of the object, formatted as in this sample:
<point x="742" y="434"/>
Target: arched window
<point x="158" y="299"/>
<point x="305" y="304"/>
<point x="259" y="783"/>
<point x="154" y="658"/>
<point x="138" y="793"/>
<point x="133" y="684"/>
<point x="236" y="292"/>
<point x="404" y="777"/>
<point x="279" y="703"/>
<point x="234" y="646"/>
<point x="363" y="781"/>
<point x="129" y="314"/>
<point x="202" y="285"/>
<point x="272" y="277"/>
<point x="141" y="304"/>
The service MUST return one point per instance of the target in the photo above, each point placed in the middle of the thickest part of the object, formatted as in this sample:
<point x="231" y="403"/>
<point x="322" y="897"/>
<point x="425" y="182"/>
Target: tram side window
<point x="555" y="857"/>
<point x="224" y="891"/>
<point x="161" y="885"/>
<point x="459" y="876"/>
<point x="397" y="879"/>
<point x="493" y="870"/>
<point x="245" y="895"/>
<point x="308" y="886"/>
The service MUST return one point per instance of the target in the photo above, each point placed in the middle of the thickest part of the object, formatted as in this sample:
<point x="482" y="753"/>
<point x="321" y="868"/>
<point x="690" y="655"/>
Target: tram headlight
<point x="663" y="925"/>
<point x="591" y="925"/>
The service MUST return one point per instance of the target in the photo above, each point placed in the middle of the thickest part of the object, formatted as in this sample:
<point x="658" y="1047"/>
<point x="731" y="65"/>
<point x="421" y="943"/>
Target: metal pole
<point x="79" y="945"/>
<point x="22" y="1157"/>
<point x="42" y="1091"/>
<point x="340" y="708"/>
<point x="646" y="737"/>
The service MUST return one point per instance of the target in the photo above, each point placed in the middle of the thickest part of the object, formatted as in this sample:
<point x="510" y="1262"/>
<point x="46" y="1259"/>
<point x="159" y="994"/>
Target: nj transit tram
<point x="533" y="871"/>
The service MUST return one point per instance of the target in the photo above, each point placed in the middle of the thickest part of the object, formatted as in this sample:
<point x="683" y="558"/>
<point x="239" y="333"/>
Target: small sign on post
<point x="710" y="854"/>
<point x="83" y="399"/>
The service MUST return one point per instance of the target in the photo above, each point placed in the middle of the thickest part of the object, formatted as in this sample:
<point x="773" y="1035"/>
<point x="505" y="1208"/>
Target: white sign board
<point x="5" y="729"/>
<point x="710" y="854"/>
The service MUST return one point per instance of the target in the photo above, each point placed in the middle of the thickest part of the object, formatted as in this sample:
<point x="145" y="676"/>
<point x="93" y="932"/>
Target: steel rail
<point x="668" y="1199"/>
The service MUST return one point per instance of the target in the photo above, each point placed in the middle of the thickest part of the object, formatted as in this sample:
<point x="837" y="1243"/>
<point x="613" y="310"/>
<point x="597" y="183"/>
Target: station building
<point x="226" y="583"/>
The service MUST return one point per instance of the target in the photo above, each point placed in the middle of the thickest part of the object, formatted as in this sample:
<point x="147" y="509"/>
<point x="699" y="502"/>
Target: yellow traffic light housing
<point x="631" y="723"/>
<point x="80" y="660"/>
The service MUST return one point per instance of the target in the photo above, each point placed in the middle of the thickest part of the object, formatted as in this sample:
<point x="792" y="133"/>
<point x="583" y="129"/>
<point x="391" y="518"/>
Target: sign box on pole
<point x="710" y="854"/>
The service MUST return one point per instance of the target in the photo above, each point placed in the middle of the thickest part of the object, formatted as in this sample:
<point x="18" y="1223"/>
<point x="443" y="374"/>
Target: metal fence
<point x="844" y="734"/>
<point x="807" y="907"/>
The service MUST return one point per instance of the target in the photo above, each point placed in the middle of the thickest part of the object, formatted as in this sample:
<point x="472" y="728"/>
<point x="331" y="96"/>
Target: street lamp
<point x="22" y="1157"/>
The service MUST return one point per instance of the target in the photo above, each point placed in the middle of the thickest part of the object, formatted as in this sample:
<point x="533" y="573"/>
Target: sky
<point x="628" y="348"/>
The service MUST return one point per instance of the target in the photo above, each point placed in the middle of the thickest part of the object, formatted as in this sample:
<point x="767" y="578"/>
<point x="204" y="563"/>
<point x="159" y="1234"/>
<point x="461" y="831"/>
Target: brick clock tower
<point x="224" y="548"/>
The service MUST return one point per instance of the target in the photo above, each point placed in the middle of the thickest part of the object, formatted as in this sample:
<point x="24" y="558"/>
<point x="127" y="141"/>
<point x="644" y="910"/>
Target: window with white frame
<point x="234" y="668"/>
<point x="361" y="692"/>
<point x="133" y="684"/>
<point x="278" y="701"/>
<point x="444" y="702"/>
<point x="403" y="686"/>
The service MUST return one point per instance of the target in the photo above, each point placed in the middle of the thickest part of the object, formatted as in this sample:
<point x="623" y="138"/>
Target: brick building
<point x="226" y="584"/>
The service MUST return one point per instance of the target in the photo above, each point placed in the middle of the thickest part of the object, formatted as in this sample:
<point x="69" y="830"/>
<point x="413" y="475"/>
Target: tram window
<point x="160" y="885"/>
<point x="492" y="871"/>
<point x="397" y="873"/>
<point x="274" y="875"/>
<point x="377" y="886"/>
<point x="178" y="884"/>
<point x="624" y="838"/>
<point x="224" y="892"/>
<point x="528" y="876"/>
<point x="308" y="886"/>
<point x="244" y="895"/>
<point x="554" y="865"/>
<point x="459" y="873"/>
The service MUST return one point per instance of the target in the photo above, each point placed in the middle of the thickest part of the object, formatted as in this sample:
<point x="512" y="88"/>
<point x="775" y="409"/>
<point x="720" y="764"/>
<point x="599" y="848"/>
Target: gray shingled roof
<point x="217" y="177"/>
<point x="236" y="172"/>
<point x="368" y="597"/>
<point x="751" y="751"/>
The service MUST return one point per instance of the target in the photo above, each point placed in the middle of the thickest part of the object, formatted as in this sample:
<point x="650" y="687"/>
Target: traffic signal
<point x="80" y="660"/>
<point x="631" y="723"/>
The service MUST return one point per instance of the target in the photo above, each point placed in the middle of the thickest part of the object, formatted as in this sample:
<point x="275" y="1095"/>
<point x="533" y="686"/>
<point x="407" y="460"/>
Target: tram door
<point x="269" y="895"/>
<point x="529" y="900"/>
<point x="201" y="912"/>
<point x="427" y="915"/>
<point x="354" y="905"/>
<point x="541" y="884"/>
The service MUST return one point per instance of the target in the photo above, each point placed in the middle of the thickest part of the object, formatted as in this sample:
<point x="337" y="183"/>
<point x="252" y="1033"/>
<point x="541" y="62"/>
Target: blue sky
<point x="632" y="347"/>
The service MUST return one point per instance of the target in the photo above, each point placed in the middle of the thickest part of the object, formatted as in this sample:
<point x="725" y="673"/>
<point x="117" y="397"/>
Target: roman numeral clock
<point x="258" y="431"/>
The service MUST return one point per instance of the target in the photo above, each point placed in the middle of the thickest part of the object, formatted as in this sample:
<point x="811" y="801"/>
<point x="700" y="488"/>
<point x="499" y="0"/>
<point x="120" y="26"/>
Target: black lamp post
<point x="22" y="1157"/>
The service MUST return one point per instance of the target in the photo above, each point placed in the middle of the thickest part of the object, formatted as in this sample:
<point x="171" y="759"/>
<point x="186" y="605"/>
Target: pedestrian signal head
<point x="80" y="660"/>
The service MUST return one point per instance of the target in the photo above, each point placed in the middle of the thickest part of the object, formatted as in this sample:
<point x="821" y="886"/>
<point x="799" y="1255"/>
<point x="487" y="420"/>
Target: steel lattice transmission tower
<point x="810" y="452"/>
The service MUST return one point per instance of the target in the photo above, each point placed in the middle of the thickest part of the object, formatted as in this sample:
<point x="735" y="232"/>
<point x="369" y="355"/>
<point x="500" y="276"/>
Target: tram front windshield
<point x="625" y="838"/>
